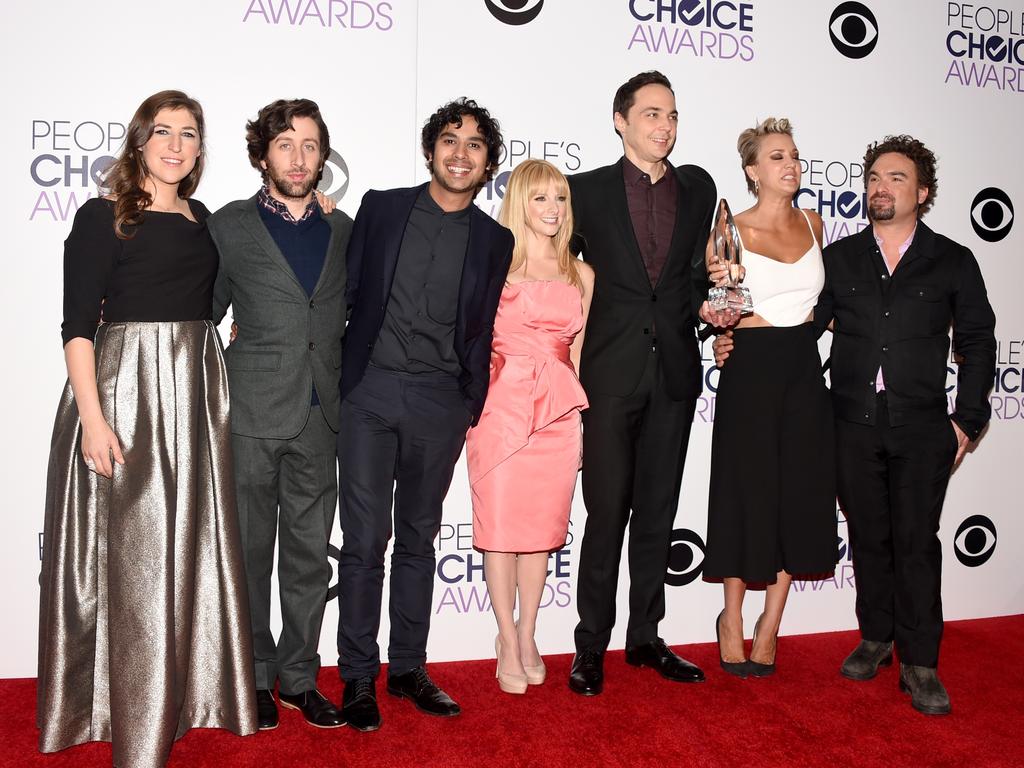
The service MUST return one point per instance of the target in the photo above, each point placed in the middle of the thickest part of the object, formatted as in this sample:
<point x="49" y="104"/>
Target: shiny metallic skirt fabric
<point x="143" y="621"/>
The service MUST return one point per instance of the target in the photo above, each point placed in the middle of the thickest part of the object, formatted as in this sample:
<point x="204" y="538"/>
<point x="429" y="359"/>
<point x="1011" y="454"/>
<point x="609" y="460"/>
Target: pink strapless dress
<point x="524" y="453"/>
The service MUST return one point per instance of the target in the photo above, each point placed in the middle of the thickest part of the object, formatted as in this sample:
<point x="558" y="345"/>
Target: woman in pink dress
<point x="524" y="453"/>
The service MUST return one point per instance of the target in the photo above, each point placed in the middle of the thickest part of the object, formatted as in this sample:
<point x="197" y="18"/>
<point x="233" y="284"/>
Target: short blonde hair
<point x="749" y="143"/>
<point x="527" y="179"/>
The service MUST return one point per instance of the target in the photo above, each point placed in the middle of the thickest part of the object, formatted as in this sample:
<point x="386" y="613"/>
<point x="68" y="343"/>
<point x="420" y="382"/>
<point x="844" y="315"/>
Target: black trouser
<point x="287" y="494"/>
<point x="892" y="482"/>
<point x="400" y="437"/>
<point x="633" y="453"/>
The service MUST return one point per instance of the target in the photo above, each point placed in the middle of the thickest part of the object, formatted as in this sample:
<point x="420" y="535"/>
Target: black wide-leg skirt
<point x="772" y="502"/>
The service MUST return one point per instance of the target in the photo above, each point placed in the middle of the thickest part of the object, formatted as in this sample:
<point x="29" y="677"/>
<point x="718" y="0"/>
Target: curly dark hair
<point x="625" y="96"/>
<point x="453" y="113"/>
<point x="922" y="157"/>
<point x="276" y="118"/>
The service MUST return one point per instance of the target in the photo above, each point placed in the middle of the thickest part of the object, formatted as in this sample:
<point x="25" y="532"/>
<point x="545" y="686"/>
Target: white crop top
<point x="784" y="294"/>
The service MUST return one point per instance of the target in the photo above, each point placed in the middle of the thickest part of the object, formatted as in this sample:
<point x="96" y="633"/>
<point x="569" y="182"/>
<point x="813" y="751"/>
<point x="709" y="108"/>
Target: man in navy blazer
<point x="425" y="272"/>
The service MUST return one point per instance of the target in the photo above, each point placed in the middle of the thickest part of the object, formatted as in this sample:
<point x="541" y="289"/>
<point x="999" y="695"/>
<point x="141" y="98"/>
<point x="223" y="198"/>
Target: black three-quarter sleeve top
<point x="164" y="273"/>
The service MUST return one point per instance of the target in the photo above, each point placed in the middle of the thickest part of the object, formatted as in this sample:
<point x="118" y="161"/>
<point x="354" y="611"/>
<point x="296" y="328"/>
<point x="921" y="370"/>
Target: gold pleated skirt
<point x="143" y="619"/>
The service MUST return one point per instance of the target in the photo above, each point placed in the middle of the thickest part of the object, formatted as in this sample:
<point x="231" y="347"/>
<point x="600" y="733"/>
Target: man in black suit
<point x="643" y="225"/>
<point x="891" y="292"/>
<point x="425" y="272"/>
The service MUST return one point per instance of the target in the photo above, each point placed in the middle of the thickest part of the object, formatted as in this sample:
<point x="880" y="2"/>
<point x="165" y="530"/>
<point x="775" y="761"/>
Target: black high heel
<point x="757" y="669"/>
<point x="738" y="668"/>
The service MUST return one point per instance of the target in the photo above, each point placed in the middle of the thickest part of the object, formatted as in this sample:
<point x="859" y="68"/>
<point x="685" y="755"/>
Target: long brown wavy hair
<point x="125" y="179"/>
<point x="529" y="178"/>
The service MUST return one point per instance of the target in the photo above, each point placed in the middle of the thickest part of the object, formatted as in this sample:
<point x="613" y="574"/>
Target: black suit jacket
<point x="902" y="323"/>
<point x="625" y="310"/>
<point x="372" y="259"/>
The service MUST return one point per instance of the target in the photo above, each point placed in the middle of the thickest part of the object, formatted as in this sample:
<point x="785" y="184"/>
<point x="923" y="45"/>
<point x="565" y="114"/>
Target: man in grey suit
<point x="282" y="270"/>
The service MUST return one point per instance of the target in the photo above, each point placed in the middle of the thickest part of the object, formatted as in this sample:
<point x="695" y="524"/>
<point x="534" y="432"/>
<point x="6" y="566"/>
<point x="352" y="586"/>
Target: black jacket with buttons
<point x="902" y="323"/>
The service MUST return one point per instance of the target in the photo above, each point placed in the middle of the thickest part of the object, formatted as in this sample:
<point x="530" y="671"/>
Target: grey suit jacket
<point x="287" y="341"/>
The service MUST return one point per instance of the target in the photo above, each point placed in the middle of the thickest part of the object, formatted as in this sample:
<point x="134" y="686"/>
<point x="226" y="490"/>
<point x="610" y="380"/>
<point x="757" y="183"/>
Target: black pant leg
<point x="862" y="475"/>
<point x="660" y="456"/>
<point x="367" y="451"/>
<point x="431" y="436"/>
<point x="611" y="427"/>
<point x="920" y="460"/>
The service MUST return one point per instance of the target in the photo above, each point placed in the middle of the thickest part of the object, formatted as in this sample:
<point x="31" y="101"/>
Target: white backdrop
<point x="846" y="73"/>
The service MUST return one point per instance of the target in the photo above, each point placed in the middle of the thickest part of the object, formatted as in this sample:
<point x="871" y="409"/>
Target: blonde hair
<point x="749" y="143"/>
<point x="530" y="177"/>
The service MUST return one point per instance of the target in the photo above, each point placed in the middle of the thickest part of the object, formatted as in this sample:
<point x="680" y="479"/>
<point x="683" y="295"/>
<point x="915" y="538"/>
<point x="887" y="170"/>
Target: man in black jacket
<point x="891" y="293"/>
<point x="425" y="272"/>
<point x="643" y="225"/>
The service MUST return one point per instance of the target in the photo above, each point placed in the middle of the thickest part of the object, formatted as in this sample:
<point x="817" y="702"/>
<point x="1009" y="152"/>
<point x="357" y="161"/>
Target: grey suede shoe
<point x="865" y="660"/>
<point x="928" y="695"/>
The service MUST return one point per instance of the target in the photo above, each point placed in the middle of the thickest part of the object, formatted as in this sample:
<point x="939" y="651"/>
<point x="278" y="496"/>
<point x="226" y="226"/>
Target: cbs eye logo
<point x="975" y="541"/>
<point x="685" y="558"/>
<point x="514" y="12"/>
<point x="853" y="30"/>
<point x="992" y="214"/>
<point x="334" y="177"/>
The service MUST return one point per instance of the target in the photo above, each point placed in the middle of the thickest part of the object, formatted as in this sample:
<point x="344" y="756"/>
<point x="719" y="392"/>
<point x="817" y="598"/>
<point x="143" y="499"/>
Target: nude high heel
<point x="509" y="682"/>
<point x="536" y="675"/>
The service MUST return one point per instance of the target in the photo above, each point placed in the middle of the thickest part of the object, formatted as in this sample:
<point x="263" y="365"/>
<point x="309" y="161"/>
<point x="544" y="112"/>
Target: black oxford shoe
<point x="266" y="710"/>
<point x="315" y="707"/>
<point x="424" y="693"/>
<point x="657" y="655"/>
<point x="359" y="704"/>
<point x="587" y="674"/>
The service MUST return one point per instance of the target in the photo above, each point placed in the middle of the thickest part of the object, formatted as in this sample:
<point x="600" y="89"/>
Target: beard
<point x="289" y="188"/>
<point x="881" y="209"/>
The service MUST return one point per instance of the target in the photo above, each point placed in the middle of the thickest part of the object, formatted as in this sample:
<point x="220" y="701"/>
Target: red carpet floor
<point x="806" y="715"/>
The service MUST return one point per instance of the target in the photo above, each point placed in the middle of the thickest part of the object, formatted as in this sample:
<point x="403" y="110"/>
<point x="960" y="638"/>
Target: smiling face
<point x="777" y="168"/>
<point x="545" y="210"/>
<point x="293" y="160"/>
<point x="170" y="153"/>
<point x="459" y="160"/>
<point x="893" y="190"/>
<point x="648" y="129"/>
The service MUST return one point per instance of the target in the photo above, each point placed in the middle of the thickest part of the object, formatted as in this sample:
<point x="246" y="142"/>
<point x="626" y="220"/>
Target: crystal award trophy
<point x="726" y="247"/>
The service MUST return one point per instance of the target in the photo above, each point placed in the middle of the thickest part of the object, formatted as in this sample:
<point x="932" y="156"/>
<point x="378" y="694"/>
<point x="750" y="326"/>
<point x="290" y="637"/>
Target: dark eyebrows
<point x="453" y="135"/>
<point x="184" y="127"/>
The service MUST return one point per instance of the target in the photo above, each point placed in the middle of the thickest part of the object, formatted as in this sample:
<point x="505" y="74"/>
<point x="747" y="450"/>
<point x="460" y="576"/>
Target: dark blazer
<point x="372" y="258"/>
<point x="625" y="309"/>
<point x="287" y="341"/>
<point x="902" y="323"/>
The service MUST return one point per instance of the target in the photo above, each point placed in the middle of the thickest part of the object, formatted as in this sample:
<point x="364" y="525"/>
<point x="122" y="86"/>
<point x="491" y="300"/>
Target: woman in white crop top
<point x="771" y="510"/>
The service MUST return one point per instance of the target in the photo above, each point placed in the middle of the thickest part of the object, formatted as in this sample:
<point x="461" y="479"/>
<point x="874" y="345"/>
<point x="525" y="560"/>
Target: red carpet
<point x="806" y="715"/>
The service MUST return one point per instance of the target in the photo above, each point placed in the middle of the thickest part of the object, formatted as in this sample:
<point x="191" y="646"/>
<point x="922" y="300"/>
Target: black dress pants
<point x="400" y="437"/>
<point x="892" y="482"/>
<point x="633" y="453"/>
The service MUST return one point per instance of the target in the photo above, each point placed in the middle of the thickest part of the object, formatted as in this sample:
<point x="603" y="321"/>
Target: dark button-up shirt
<point x="418" y="332"/>
<point x="652" y="209"/>
<point x="901" y="323"/>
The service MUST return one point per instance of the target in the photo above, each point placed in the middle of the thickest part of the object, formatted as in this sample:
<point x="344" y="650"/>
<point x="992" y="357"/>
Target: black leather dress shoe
<point x="424" y="693"/>
<point x="587" y="674"/>
<point x="315" y="707"/>
<point x="656" y="655"/>
<point x="266" y="710"/>
<point x="359" y="704"/>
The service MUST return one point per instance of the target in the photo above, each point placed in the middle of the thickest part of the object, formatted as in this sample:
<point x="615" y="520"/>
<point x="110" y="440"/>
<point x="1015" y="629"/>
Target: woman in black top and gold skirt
<point x="143" y="621"/>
